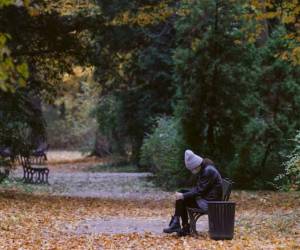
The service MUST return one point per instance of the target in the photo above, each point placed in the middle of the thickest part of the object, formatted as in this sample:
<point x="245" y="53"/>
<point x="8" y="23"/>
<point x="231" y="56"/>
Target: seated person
<point x="208" y="188"/>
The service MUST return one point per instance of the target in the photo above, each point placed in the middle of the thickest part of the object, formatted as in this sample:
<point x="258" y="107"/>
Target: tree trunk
<point x="37" y="122"/>
<point x="101" y="146"/>
<point x="264" y="34"/>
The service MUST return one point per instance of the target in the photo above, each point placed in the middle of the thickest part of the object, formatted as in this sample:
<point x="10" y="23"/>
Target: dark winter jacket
<point x="208" y="188"/>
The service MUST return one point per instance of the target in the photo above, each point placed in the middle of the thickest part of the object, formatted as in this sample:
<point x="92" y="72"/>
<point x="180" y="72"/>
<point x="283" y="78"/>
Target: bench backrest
<point x="32" y="160"/>
<point x="38" y="159"/>
<point x="23" y="160"/>
<point x="226" y="187"/>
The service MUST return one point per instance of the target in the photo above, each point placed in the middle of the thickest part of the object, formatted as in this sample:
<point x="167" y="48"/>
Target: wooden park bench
<point x="196" y="213"/>
<point x="34" y="168"/>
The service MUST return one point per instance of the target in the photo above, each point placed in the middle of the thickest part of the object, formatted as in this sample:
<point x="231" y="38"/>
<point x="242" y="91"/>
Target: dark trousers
<point x="181" y="207"/>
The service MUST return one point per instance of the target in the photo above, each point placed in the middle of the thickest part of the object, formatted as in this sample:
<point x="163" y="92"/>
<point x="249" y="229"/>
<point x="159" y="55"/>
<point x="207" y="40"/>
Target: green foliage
<point x="50" y="43"/>
<point x="5" y="3"/>
<point x="21" y="122"/>
<point x="107" y="114"/>
<point x="239" y="101"/>
<point x="210" y="68"/>
<point x="77" y="134"/>
<point x="233" y="93"/>
<point x="110" y="123"/>
<point x="290" y="179"/>
<point x="138" y="75"/>
<point x="71" y="116"/>
<point x="273" y="117"/>
<point x="18" y="185"/>
<point x="163" y="152"/>
<point x="12" y="75"/>
<point x="285" y="13"/>
<point x="46" y="42"/>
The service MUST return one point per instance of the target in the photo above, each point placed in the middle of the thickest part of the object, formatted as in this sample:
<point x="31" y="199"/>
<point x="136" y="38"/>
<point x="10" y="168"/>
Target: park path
<point x="106" y="185"/>
<point x="75" y="180"/>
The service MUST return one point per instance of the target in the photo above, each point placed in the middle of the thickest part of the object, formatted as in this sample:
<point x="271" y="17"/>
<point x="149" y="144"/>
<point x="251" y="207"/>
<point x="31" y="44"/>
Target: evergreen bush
<point x="290" y="179"/>
<point x="163" y="151"/>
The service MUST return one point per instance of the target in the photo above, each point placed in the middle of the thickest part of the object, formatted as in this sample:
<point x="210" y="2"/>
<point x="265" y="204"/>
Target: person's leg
<point x="181" y="205"/>
<point x="202" y="204"/>
<point x="184" y="215"/>
<point x="174" y="225"/>
<point x="180" y="212"/>
<point x="181" y="209"/>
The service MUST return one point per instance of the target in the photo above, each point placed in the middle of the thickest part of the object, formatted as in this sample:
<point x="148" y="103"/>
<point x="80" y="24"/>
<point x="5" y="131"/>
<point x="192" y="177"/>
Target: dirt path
<point x="70" y="175"/>
<point x="106" y="185"/>
<point x="75" y="181"/>
<point x="126" y="225"/>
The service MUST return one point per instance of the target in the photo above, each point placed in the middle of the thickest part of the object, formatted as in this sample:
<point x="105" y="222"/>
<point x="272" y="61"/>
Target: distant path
<point x="106" y="185"/>
<point x="74" y="180"/>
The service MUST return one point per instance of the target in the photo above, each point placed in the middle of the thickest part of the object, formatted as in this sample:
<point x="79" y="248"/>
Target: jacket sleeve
<point x="204" y="183"/>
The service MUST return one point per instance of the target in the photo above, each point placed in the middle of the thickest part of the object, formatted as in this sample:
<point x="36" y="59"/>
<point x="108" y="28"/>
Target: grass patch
<point x="17" y="184"/>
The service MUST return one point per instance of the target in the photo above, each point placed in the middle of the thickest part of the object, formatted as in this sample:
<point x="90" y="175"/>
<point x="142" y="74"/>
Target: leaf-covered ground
<point x="39" y="220"/>
<point x="264" y="220"/>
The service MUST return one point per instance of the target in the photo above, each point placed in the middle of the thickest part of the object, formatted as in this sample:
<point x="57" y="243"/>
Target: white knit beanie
<point x="192" y="161"/>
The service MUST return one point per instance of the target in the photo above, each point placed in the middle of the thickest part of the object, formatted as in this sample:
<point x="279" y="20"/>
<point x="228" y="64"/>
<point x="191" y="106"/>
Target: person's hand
<point x="178" y="196"/>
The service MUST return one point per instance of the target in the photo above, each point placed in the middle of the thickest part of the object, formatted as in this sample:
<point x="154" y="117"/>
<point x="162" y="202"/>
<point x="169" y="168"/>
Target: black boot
<point x="185" y="230"/>
<point x="174" y="226"/>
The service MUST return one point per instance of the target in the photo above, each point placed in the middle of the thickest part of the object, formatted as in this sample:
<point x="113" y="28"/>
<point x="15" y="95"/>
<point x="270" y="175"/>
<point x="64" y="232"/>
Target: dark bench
<point x="195" y="213"/>
<point x="34" y="168"/>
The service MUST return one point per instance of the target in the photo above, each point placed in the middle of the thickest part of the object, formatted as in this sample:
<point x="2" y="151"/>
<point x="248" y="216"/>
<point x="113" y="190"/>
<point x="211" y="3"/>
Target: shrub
<point x="111" y="124"/>
<point x="162" y="152"/>
<point x="290" y="179"/>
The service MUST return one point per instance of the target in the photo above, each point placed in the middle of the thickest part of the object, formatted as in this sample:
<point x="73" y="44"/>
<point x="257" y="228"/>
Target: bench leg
<point x="193" y="221"/>
<point x="46" y="175"/>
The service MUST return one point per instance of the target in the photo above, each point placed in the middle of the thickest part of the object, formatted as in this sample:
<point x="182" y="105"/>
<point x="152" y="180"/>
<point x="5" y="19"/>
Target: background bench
<point x="34" y="168"/>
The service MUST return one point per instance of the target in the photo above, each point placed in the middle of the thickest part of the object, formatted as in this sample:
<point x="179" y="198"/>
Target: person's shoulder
<point x="210" y="170"/>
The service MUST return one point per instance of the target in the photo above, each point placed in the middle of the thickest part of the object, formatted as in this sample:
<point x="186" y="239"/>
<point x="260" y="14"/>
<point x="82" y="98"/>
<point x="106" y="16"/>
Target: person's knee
<point x="202" y="204"/>
<point x="180" y="202"/>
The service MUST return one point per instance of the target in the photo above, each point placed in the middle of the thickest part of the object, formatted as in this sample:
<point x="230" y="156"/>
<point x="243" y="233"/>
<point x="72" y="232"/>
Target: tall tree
<point x="214" y="74"/>
<point x="135" y="63"/>
<point x="265" y="142"/>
